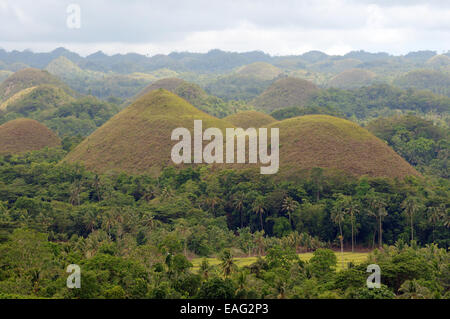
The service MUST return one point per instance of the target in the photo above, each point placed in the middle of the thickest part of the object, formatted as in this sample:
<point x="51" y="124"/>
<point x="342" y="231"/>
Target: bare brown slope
<point x="248" y="119"/>
<point x="138" y="139"/>
<point x="23" y="135"/>
<point x="333" y="143"/>
<point x="285" y="92"/>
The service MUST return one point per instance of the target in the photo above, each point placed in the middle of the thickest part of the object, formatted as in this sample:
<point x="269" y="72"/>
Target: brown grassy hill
<point x="24" y="135"/>
<point x="248" y="119"/>
<point x="169" y="84"/>
<point x="27" y="78"/>
<point x="137" y="140"/>
<point x="433" y="80"/>
<point x="63" y="67"/>
<point x="192" y="93"/>
<point x="333" y="143"/>
<point x="42" y="97"/>
<point x="438" y="61"/>
<point x="259" y="70"/>
<point x="352" y="78"/>
<point x="285" y="92"/>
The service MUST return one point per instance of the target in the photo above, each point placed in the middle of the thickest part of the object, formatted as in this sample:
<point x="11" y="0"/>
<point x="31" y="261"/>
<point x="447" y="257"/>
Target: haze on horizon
<point x="275" y="27"/>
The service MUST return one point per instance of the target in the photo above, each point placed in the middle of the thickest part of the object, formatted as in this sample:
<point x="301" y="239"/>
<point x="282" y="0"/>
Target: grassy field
<point x="343" y="259"/>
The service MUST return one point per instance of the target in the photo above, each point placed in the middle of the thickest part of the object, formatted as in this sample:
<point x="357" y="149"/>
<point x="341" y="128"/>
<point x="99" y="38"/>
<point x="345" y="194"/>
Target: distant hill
<point x="36" y="98"/>
<point x="246" y="82"/>
<point x="352" y="78"/>
<point x="63" y="67"/>
<point x="335" y="66"/>
<point x="435" y="81"/>
<point x="192" y="93"/>
<point x="333" y="143"/>
<point x="285" y="92"/>
<point x="438" y="61"/>
<point x="259" y="70"/>
<point x="169" y="84"/>
<point x="4" y="74"/>
<point x="248" y="119"/>
<point x="27" y="78"/>
<point x="137" y="140"/>
<point x="23" y="135"/>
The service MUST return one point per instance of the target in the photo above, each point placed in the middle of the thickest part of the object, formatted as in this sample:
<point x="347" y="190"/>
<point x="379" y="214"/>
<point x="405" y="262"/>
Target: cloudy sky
<point x="278" y="27"/>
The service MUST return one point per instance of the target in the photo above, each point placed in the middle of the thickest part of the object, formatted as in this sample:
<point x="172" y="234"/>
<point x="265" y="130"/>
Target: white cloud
<point x="276" y="27"/>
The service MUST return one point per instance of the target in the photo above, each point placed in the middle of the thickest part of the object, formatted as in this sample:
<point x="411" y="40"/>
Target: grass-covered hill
<point x="63" y="67"/>
<point x="245" y="83"/>
<point x="259" y="70"/>
<point x="438" y="61"/>
<point x="285" y="92"/>
<point x="248" y="119"/>
<point x="435" y="81"/>
<point x="352" y="78"/>
<point x="169" y="84"/>
<point x="23" y="135"/>
<point x="27" y="78"/>
<point x="194" y="94"/>
<point x="58" y="110"/>
<point x="332" y="143"/>
<point x="4" y="74"/>
<point x="137" y="140"/>
<point x="35" y="99"/>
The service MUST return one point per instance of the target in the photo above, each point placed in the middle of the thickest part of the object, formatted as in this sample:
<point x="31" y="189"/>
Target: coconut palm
<point x="204" y="268"/>
<point x="435" y="214"/>
<point x="227" y="263"/>
<point x="378" y="210"/>
<point x="411" y="289"/>
<point x="239" y="203"/>
<point x="410" y="207"/>
<point x="289" y="206"/>
<point x="338" y="216"/>
<point x="259" y="209"/>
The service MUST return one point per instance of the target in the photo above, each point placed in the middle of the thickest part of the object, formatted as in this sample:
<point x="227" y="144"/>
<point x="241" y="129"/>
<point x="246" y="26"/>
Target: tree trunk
<point x="380" y="238"/>
<point x="260" y="220"/>
<point x="352" y="233"/>
<point x="240" y="214"/>
<point x="412" y="228"/>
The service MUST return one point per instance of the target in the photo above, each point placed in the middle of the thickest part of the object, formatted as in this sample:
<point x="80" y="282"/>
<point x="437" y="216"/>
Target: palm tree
<point x="338" y="216"/>
<point x="96" y="183"/>
<point x="204" y="268"/>
<point x="378" y="210"/>
<point x="410" y="206"/>
<point x="411" y="289"/>
<point x="211" y="203"/>
<point x="353" y="210"/>
<point x="259" y="241"/>
<point x="446" y="219"/>
<point x="183" y="228"/>
<point x="238" y="203"/>
<point x="259" y="209"/>
<point x="241" y="280"/>
<point x="227" y="263"/>
<point x="75" y="191"/>
<point x="289" y="206"/>
<point x="434" y="216"/>
<point x="166" y="193"/>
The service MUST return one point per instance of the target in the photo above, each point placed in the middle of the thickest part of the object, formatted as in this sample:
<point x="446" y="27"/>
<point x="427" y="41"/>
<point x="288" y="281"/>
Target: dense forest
<point x="142" y="231"/>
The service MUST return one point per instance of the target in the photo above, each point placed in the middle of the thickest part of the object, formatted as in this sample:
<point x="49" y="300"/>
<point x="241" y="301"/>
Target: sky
<point x="277" y="27"/>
